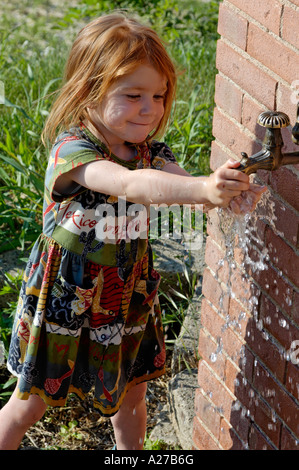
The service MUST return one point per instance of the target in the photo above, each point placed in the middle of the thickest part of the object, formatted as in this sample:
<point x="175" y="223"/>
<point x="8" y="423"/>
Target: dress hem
<point x="105" y="411"/>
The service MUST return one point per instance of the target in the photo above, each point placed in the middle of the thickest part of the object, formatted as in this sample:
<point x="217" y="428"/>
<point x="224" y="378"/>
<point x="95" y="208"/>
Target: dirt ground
<point x="78" y="426"/>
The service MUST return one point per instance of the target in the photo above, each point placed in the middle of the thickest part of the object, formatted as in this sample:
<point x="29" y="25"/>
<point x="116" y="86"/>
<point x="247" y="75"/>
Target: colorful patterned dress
<point x="88" y="315"/>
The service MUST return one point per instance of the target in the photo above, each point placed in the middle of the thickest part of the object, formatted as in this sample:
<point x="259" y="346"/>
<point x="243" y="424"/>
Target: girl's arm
<point x="244" y="203"/>
<point x="147" y="186"/>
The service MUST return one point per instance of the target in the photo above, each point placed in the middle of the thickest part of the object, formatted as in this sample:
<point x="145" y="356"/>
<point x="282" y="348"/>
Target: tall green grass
<point x="33" y="49"/>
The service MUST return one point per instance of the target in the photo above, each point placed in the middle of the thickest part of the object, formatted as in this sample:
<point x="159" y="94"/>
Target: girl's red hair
<point x="109" y="47"/>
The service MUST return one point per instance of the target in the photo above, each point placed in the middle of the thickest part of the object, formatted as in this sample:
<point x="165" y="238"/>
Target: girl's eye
<point x="133" y="97"/>
<point x="159" y="97"/>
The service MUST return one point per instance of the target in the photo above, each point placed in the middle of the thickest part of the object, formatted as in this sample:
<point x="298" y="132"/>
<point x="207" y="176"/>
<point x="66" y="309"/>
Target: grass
<point x="35" y="36"/>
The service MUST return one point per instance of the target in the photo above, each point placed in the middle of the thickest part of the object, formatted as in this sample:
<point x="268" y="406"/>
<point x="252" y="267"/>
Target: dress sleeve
<point x="68" y="152"/>
<point x="161" y="155"/>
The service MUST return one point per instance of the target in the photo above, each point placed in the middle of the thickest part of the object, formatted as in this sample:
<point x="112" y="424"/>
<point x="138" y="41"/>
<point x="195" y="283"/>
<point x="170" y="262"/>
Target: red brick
<point x="286" y="102"/>
<point x="236" y="375"/>
<point x="201" y="438"/>
<point x="238" y="317"/>
<point x="245" y="394"/>
<point x="242" y="287"/>
<point x="206" y="348"/>
<point x="276" y="288"/>
<point x="218" y="328"/>
<point x="232" y="26"/>
<point x="272" y="53"/>
<point x="290" y="25"/>
<point x="257" y="440"/>
<point x="267" y="12"/>
<point x="213" y="258"/>
<point x="212" y="290"/>
<point x="232" y="374"/>
<point x="247" y="75"/>
<point x="232" y="136"/>
<point x="254" y="243"/>
<point x="288" y="440"/>
<point x="218" y="156"/>
<point x="292" y="377"/>
<point x="295" y="307"/>
<point x="228" y="438"/>
<point x="286" y="221"/>
<point x="267" y="421"/>
<point x="257" y="411"/>
<point x="277" y="323"/>
<point x="283" y="256"/>
<point x="250" y="112"/>
<point x="213" y="229"/>
<point x="215" y="389"/>
<point x="287" y="98"/>
<point x="260" y="343"/>
<point x="207" y="413"/>
<point x="240" y="423"/>
<point x="228" y="97"/>
<point x="277" y="398"/>
<point x="286" y="184"/>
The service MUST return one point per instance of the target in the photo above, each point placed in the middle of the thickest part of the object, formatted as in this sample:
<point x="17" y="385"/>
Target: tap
<point x="271" y="157"/>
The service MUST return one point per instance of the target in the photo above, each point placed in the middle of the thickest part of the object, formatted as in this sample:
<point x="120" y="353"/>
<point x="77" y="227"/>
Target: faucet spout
<point x="263" y="160"/>
<point x="271" y="157"/>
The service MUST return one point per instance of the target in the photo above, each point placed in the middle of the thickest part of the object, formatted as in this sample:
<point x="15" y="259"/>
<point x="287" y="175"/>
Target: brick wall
<point x="248" y="398"/>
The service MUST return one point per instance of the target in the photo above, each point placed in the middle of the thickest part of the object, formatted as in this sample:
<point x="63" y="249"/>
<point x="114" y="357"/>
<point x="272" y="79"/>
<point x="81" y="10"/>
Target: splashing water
<point x="241" y="234"/>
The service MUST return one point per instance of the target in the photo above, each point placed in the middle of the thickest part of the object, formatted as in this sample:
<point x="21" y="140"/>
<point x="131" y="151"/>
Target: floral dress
<point x="88" y="315"/>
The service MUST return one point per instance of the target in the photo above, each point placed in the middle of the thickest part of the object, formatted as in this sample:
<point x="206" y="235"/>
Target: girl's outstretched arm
<point x="146" y="186"/>
<point x="242" y="204"/>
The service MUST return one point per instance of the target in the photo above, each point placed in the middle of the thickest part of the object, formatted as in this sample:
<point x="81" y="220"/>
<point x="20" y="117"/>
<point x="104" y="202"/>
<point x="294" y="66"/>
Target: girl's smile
<point x="131" y="109"/>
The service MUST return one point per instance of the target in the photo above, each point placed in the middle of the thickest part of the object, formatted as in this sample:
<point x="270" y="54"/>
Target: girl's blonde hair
<point x="106" y="49"/>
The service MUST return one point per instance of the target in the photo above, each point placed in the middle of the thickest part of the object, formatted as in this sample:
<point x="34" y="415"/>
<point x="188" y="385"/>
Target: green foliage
<point x="175" y="303"/>
<point x="157" y="445"/>
<point x="11" y="288"/>
<point x="70" y="431"/>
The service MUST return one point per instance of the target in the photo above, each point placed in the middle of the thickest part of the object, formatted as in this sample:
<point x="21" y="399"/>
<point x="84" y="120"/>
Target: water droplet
<point x="283" y="323"/>
<point x="213" y="357"/>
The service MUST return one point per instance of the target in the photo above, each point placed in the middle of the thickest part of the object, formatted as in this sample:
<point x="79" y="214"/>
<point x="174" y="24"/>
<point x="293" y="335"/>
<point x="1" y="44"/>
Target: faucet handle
<point x="268" y="158"/>
<point x="273" y="119"/>
<point x="271" y="157"/>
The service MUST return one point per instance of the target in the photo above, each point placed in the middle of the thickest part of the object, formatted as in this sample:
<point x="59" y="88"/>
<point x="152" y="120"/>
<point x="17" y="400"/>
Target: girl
<point x="88" y="314"/>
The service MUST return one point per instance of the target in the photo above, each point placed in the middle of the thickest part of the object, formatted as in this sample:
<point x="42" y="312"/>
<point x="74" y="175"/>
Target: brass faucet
<point x="271" y="156"/>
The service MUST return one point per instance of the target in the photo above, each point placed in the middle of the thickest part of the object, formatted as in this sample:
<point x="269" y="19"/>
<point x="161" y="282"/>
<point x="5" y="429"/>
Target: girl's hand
<point x="248" y="200"/>
<point x="226" y="183"/>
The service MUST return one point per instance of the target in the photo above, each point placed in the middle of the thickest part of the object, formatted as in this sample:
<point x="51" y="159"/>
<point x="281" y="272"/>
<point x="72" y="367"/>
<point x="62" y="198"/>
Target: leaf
<point x="4" y="176"/>
<point x="30" y="73"/>
<point x="15" y="163"/>
<point x="9" y="104"/>
<point x="9" y="382"/>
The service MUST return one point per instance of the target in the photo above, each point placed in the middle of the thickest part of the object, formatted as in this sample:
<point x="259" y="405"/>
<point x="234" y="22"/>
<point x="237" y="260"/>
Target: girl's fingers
<point x="256" y="188"/>
<point x="248" y="200"/>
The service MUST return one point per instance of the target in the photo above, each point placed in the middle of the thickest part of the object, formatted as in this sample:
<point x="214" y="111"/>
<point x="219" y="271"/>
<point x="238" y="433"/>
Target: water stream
<point x="246" y="252"/>
<point x="244" y="234"/>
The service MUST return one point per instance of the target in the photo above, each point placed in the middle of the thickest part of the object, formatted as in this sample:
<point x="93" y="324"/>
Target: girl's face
<point x="132" y="107"/>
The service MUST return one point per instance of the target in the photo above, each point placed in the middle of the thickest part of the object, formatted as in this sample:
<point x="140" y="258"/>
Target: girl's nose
<point x="147" y="106"/>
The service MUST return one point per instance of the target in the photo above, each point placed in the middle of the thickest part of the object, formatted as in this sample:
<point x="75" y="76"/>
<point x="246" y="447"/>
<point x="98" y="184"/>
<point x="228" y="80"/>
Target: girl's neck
<point x="122" y="150"/>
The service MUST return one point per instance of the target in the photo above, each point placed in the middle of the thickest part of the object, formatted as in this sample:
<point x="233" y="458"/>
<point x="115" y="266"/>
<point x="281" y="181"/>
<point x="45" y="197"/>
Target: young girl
<point x="88" y="314"/>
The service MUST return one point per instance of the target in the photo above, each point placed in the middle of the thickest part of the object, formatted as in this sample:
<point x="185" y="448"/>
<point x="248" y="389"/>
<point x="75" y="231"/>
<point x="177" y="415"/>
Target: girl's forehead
<point x="143" y="76"/>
